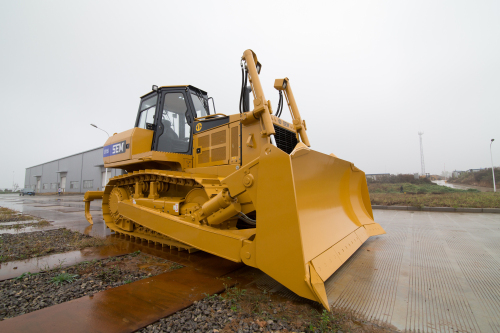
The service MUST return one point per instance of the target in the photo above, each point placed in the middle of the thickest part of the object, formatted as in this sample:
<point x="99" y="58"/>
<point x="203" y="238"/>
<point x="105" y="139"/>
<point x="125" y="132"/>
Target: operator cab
<point x="173" y="126"/>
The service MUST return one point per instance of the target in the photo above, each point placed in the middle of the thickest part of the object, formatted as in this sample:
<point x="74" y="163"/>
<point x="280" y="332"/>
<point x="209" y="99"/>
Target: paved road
<point x="431" y="272"/>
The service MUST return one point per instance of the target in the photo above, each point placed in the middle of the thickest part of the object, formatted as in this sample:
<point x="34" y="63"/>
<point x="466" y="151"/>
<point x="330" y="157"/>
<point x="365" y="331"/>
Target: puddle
<point x="462" y="187"/>
<point x="27" y="229"/>
<point x="118" y="247"/>
<point x="13" y="269"/>
<point x="19" y="222"/>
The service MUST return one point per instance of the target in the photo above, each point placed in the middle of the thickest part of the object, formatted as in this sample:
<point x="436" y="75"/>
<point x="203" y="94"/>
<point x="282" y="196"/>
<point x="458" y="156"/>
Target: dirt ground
<point x="19" y="246"/>
<point x="242" y="310"/>
<point x="34" y="291"/>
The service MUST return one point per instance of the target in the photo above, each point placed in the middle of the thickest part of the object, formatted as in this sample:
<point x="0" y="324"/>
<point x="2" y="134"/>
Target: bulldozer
<point x="246" y="187"/>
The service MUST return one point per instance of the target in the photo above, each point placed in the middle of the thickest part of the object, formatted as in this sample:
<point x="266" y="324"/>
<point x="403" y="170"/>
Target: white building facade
<point x="77" y="173"/>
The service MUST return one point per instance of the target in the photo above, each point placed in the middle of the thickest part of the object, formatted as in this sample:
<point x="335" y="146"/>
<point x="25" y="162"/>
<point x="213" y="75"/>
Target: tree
<point x="15" y="187"/>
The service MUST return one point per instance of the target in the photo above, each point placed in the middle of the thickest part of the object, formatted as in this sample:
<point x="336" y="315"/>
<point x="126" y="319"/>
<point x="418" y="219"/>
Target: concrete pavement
<point x="431" y="272"/>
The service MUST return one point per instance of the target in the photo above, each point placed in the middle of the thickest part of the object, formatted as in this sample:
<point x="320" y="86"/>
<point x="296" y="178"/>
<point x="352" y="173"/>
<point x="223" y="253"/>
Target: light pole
<point x="493" y="168"/>
<point x="106" y="176"/>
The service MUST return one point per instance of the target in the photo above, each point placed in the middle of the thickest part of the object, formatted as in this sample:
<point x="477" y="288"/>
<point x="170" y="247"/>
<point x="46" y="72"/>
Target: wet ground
<point x="124" y="308"/>
<point x="65" y="211"/>
<point x="30" y="292"/>
<point x="463" y="187"/>
<point x="431" y="272"/>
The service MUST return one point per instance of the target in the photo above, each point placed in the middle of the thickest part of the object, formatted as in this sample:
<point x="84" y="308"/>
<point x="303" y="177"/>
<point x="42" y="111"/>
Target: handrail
<point x="210" y="115"/>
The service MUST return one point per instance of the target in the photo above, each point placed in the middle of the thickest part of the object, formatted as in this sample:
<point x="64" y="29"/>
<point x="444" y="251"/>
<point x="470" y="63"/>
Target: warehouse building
<point x="77" y="173"/>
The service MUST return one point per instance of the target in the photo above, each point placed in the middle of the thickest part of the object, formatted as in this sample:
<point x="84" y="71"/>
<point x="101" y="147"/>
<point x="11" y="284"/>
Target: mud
<point x="36" y="244"/>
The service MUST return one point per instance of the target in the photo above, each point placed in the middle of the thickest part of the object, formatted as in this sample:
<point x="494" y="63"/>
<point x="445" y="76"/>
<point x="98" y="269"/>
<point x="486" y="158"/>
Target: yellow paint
<point x="313" y="210"/>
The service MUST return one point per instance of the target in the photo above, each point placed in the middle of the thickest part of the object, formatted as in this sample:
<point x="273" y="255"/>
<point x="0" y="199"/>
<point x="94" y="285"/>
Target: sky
<point x="367" y="75"/>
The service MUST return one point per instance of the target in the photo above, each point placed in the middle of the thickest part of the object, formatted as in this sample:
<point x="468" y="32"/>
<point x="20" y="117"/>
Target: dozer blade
<point x="313" y="213"/>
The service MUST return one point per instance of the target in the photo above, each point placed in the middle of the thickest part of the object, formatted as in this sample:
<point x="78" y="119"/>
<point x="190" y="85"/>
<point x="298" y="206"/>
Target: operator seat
<point x="168" y="138"/>
<point x="168" y="131"/>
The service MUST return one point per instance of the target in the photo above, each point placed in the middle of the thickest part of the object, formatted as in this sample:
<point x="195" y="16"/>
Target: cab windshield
<point x="200" y="105"/>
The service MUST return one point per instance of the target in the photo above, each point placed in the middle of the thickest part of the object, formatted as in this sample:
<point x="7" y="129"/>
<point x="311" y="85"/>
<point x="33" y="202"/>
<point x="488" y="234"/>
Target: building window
<point x="45" y="186"/>
<point x="87" y="183"/>
<point x="74" y="184"/>
<point x="53" y="186"/>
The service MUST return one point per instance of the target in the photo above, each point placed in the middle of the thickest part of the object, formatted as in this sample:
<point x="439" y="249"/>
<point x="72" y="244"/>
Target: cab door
<point x="174" y="123"/>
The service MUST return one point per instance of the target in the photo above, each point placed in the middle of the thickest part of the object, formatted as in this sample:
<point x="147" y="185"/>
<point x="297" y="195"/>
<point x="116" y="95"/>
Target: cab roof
<point x="178" y="86"/>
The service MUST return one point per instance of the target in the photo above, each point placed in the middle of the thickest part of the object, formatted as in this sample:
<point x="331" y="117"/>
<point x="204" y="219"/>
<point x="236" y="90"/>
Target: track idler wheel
<point x="119" y="194"/>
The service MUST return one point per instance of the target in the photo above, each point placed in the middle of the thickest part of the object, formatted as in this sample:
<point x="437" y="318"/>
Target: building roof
<point x="57" y="159"/>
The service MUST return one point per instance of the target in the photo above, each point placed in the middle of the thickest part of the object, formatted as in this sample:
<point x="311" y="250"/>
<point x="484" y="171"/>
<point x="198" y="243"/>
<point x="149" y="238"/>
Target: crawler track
<point x="168" y="182"/>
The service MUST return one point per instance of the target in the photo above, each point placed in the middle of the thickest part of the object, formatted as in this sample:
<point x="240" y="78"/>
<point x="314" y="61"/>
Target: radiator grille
<point x="204" y="141"/>
<point x="204" y="157"/>
<point x="219" y="138"/>
<point x="285" y="140"/>
<point x="218" y="154"/>
<point x="234" y="141"/>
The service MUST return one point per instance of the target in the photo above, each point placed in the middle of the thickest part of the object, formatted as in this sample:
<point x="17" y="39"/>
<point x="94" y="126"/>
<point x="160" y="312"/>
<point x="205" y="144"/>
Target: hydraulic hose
<point x="246" y="219"/>
<point x="279" y="110"/>
<point x="244" y="77"/>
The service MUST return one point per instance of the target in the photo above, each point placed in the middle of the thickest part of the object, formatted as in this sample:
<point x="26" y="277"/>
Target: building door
<point x="63" y="183"/>
<point x="103" y="178"/>
<point x="38" y="181"/>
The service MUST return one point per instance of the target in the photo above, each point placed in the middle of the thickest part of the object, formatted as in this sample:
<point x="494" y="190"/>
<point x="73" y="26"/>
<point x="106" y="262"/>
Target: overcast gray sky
<point x="367" y="75"/>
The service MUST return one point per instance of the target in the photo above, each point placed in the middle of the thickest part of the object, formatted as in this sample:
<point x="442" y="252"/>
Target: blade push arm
<point x="298" y="123"/>
<point x="262" y="107"/>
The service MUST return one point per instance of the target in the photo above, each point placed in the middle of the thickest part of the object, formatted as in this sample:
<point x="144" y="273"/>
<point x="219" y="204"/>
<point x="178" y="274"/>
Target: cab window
<point x="200" y="105"/>
<point x="147" y="113"/>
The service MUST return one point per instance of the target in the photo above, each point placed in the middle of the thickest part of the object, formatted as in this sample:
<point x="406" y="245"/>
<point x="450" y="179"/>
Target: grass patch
<point x="24" y="275"/>
<point x="20" y="226"/>
<point x="9" y="215"/>
<point x="64" y="277"/>
<point x="464" y="199"/>
<point x="413" y="188"/>
<point x="234" y="294"/>
<point x="89" y="242"/>
<point x="324" y="322"/>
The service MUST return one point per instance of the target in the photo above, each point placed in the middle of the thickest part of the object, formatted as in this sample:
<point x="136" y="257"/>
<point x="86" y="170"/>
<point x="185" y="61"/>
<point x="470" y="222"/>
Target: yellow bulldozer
<point x="245" y="187"/>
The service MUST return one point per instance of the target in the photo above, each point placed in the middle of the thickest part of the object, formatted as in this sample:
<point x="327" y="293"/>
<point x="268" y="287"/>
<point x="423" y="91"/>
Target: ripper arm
<point x="91" y="196"/>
